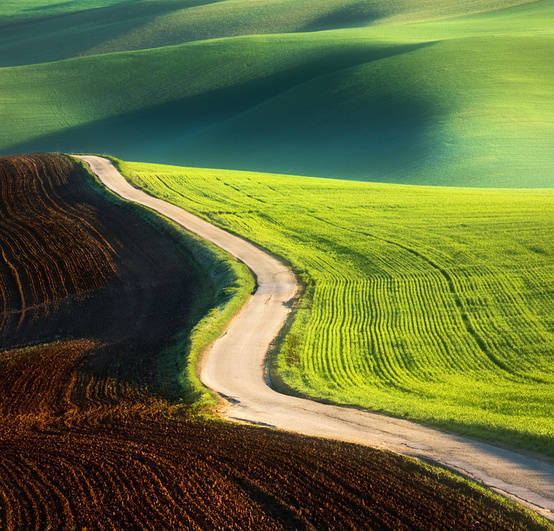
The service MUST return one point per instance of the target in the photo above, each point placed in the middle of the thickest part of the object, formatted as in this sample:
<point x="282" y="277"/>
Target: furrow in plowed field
<point x="93" y="431"/>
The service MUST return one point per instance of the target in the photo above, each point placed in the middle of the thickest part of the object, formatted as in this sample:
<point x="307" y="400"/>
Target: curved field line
<point x="234" y="367"/>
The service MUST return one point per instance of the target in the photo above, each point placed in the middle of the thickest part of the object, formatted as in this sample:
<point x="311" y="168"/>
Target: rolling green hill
<point x="38" y="30"/>
<point x="443" y="314"/>
<point x="387" y="91"/>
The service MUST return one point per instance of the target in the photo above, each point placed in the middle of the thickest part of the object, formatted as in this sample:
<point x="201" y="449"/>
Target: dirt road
<point x="234" y="367"/>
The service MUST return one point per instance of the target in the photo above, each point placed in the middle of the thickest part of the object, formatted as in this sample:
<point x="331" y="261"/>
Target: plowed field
<point x="92" y="428"/>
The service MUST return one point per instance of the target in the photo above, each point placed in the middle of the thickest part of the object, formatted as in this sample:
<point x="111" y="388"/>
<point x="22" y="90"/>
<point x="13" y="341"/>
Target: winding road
<point x="234" y="367"/>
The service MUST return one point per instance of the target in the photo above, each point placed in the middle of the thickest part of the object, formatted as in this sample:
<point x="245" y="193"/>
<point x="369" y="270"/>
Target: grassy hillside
<point x="435" y="115"/>
<point x="16" y="11"/>
<point x="43" y="31"/>
<point x="464" y="101"/>
<point x="438" y="314"/>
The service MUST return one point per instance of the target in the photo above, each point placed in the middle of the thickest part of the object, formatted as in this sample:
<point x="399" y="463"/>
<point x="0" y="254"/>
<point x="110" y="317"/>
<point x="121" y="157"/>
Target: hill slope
<point x="407" y="305"/>
<point x="36" y="30"/>
<point x="93" y="432"/>
<point x="459" y="101"/>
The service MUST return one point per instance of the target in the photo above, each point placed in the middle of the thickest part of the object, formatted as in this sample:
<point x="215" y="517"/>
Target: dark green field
<point x="415" y="92"/>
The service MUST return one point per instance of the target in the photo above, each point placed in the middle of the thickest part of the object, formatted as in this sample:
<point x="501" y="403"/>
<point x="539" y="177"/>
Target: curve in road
<point x="234" y="367"/>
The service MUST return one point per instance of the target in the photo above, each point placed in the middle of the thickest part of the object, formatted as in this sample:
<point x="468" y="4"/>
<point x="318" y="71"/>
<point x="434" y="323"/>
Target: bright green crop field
<point x="424" y="302"/>
<point x="436" y="92"/>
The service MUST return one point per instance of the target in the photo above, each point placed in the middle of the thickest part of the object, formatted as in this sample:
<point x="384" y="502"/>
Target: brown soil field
<point x="93" y="432"/>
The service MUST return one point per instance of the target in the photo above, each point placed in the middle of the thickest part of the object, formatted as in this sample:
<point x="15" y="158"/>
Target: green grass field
<point x="424" y="302"/>
<point x="42" y="30"/>
<point x="426" y="92"/>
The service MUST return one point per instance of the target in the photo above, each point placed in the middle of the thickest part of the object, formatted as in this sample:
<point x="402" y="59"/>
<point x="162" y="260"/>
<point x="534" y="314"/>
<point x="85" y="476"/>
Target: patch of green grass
<point x="16" y="11"/>
<point x="59" y="30"/>
<point x="424" y="302"/>
<point x="441" y="114"/>
<point x="198" y="83"/>
<point x="231" y="284"/>
<point x="457" y="101"/>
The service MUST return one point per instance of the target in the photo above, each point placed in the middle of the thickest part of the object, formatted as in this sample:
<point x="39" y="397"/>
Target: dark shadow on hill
<point x="61" y="36"/>
<point x="49" y="7"/>
<point x="349" y="16"/>
<point x="383" y="143"/>
<point x="195" y="131"/>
